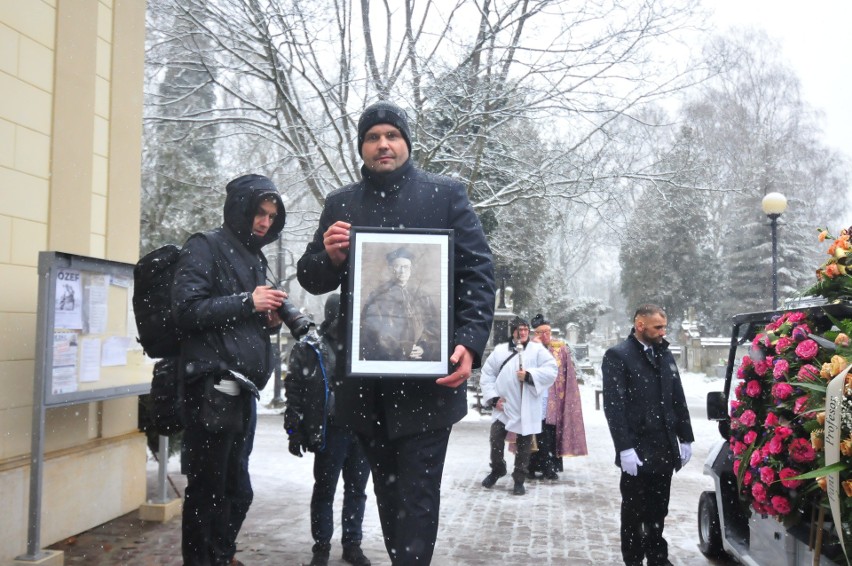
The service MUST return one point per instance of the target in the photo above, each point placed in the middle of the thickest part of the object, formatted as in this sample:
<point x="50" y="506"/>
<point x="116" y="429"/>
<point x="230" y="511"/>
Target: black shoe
<point x="551" y="476"/>
<point x="491" y="479"/>
<point x="531" y="476"/>
<point x="354" y="555"/>
<point x="518" y="489"/>
<point x="320" y="558"/>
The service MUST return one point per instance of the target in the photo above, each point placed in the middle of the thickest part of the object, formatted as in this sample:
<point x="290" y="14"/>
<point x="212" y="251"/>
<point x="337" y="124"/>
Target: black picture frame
<point x="400" y="326"/>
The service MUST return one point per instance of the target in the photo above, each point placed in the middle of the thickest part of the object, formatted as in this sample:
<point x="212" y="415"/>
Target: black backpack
<point x="159" y="337"/>
<point x="152" y="302"/>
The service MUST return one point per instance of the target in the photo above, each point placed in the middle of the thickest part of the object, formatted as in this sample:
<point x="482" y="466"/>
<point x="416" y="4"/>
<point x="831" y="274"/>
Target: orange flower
<point x="838" y="364"/>
<point x="823" y="235"/>
<point x="816" y="440"/>
<point x="843" y="241"/>
<point x="831" y="270"/>
<point x="825" y="371"/>
<point x="841" y="339"/>
<point x="821" y="418"/>
<point x="831" y="248"/>
<point x="822" y="482"/>
<point x="847" y="487"/>
<point x="846" y="447"/>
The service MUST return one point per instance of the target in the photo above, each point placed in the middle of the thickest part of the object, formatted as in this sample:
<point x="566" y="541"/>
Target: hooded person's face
<point x="266" y="213"/>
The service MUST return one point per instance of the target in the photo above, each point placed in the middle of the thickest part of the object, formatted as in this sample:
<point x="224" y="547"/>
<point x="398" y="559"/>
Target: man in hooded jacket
<point x="405" y="424"/>
<point x="221" y="301"/>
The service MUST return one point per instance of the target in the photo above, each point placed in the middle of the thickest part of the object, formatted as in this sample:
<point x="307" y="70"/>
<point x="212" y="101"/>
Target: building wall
<point x="70" y="154"/>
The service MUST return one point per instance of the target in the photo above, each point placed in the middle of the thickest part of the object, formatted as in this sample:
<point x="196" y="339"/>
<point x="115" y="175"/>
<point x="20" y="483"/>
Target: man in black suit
<point x="648" y="419"/>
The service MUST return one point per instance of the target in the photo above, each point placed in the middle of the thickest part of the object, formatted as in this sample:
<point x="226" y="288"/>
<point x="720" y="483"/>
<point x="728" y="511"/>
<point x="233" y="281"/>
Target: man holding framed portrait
<point x="404" y="417"/>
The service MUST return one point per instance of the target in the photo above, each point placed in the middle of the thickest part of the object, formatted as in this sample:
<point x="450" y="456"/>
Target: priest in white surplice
<point x="514" y="377"/>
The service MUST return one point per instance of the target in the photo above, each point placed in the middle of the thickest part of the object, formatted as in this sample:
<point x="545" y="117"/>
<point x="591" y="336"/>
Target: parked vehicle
<point x="726" y="524"/>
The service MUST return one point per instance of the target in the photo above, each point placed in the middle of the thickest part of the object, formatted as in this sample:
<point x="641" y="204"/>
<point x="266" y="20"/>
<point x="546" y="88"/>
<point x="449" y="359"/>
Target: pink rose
<point x="750" y="437"/>
<point x="808" y="373"/>
<point x="807" y="349"/>
<point x="780" y="504"/>
<point x="738" y="390"/>
<point x="775" y="446"/>
<point x="736" y="405"/>
<point x="737" y="448"/>
<point x="753" y="388"/>
<point x="783" y="432"/>
<point x="758" y="490"/>
<point x="747" y="477"/>
<point x="782" y="344"/>
<point x="761" y="367"/>
<point x="767" y="475"/>
<point x="800" y="404"/>
<point x="748" y="418"/>
<point x="782" y="390"/>
<point x="796" y="317"/>
<point x="746" y="361"/>
<point x="801" y="450"/>
<point x="760" y="340"/>
<point x="785" y="476"/>
<point x="771" y="420"/>
<point x="741" y="372"/>
<point x="780" y="369"/>
<point x="755" y="459"/>
<point x="736" y="467"/>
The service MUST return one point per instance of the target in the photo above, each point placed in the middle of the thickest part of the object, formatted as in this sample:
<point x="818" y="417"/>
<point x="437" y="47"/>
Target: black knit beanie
<point x="383" y="112"/>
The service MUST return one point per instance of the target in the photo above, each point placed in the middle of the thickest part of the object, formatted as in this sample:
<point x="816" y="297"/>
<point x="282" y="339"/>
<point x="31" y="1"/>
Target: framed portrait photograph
<point x="401" y="310"/>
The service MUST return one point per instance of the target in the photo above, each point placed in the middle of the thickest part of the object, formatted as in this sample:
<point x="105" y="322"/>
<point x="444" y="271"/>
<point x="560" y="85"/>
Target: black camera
<point x="298" y="323"/>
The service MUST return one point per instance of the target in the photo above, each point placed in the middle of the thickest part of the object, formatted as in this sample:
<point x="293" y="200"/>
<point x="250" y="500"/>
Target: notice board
<point x="86" y="348"/>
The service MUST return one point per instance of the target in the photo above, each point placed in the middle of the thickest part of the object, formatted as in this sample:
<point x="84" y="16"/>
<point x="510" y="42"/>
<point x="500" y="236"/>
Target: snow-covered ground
<point x="579" y="514"/>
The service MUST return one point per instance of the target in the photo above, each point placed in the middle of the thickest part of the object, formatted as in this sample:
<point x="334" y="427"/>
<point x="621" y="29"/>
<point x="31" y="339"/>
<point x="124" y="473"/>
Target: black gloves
<point x="295" y="446"/>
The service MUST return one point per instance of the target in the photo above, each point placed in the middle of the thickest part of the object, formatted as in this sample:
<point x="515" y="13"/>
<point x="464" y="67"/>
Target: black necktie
<point x="649" y="353"/>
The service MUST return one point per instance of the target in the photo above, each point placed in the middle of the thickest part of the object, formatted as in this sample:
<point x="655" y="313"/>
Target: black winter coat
<point x="410" y="198"/>
<point x="213" y="271"/>
<point x="644" y="404"/>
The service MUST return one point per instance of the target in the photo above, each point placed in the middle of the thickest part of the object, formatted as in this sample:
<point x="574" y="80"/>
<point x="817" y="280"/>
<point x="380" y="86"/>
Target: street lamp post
<point x="774" y="205"/>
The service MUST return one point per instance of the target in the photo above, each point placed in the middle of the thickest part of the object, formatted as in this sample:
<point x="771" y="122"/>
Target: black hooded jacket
<point x="214" y="271"/>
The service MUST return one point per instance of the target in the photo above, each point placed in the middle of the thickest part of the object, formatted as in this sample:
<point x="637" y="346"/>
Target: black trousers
<point x="407" y="481"/>
<point x="218" y="491"/>
<point x="544" y="459"/>
<point x="523" y="446"/>
<point x="644" y="506"/>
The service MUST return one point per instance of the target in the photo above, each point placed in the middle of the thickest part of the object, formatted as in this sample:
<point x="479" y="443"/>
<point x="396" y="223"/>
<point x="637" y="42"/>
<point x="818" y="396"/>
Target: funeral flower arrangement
<point x="778" y="414"/>
<point x="834" y="277"/>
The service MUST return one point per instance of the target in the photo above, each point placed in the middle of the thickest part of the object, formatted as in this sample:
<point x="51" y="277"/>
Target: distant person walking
<point x="513" y="379"/>
<point x="562" y="430"/>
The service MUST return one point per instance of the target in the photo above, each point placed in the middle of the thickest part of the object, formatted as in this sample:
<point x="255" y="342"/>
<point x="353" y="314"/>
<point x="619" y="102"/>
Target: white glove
<point x="685" y="452"/>
<point x="228" y="387"/>
<point x="630" y="462"/>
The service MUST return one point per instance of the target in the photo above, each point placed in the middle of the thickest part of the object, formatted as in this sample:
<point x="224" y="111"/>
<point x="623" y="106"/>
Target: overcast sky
<point x="817" y="42"/>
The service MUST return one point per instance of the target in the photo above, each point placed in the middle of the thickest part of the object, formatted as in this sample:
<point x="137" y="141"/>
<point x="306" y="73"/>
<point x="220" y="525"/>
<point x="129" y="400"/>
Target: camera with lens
<point x="298" y="323"/>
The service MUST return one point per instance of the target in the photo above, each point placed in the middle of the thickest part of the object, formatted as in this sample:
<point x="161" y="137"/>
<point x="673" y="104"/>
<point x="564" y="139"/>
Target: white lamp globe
<point x="774" y="203"/>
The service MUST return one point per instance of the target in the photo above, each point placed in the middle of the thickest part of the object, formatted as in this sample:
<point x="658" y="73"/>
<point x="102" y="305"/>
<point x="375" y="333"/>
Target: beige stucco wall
<point x="70" y="151"/>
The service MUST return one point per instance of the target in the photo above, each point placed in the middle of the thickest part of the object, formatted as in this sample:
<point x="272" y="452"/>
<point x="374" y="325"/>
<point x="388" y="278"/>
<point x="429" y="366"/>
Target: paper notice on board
<point x="114" y="351"/>
<point x="68" y="308"/>
<point x="64" y="380"/>
<point x="96" y="293"/>
<point x="90" y="359"/>
<point x="121" y="281"/>
<point x="64" y="349"/>
<point x="64" y="369"/>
